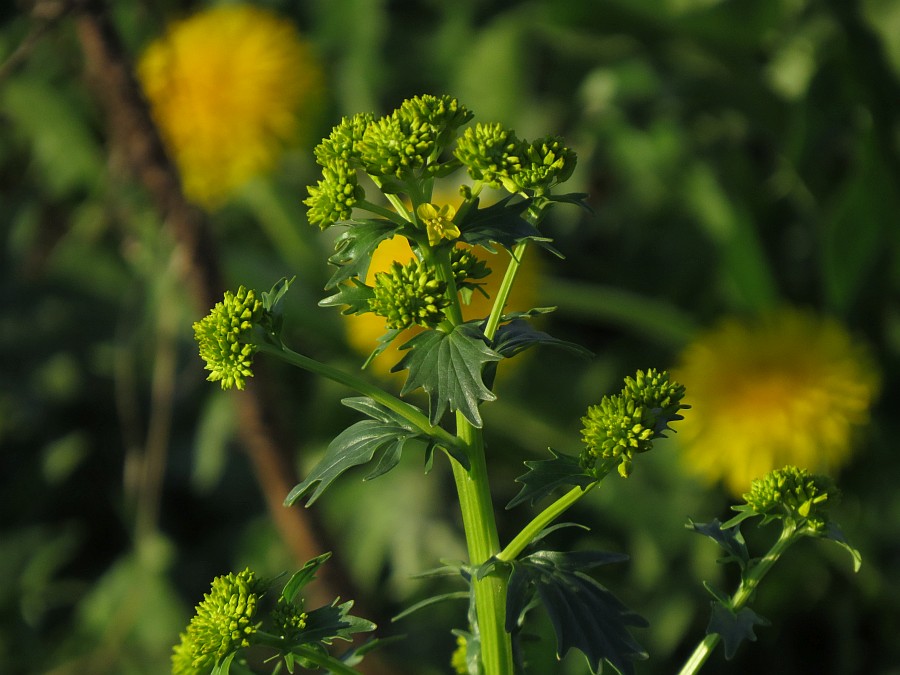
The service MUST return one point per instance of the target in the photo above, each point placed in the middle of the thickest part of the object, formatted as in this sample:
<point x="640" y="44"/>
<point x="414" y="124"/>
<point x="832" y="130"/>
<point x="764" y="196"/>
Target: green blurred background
<point x="737" y="155"/>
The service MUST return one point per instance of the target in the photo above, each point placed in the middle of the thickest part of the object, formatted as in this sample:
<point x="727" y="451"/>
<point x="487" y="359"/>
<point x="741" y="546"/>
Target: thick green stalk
<point x="409" y="412"/>
<point x="741" y="597"/>
<point x="540" y="521"/>
<point x="483" y="542"/>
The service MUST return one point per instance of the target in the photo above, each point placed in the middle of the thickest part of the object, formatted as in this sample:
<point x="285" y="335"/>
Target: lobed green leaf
<point x="734" y="627"/>
<point x="729" y="538"/>
<point x="303" y="576"/>
<point x="448" y="366"/>
<point x="584" y="614"/>
<point x="518" y="335"/>
<point x="354" y="248"/>
<point x="353" y="295"/>
<point x="548" y="475"/>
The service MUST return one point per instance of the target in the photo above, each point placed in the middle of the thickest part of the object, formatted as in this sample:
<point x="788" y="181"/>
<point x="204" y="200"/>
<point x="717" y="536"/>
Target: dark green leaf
<point x="547" y="475"/>
<point x="302" y="577"/>
<point x="576" y="198"/>
<point x="383" y="343"/>
<point x="455" y="595"/>
<point x="354" y="446"/>
<point x="333" y="622"/>
<point x="353" y="249"/>
<point x="223" y="667"/>
<point x="500" y="223"/>
<point x="834" y="533"/>
<point x="518" y="335"/>
<point x="353" y="295"/>
<point x="729" y="538"/>
<point x="448" y="366"/>
<point x="272" y="298"/>
<point x="734" y="627"/>
<point x="534" y="311"/>
<point x="584" y="614"/>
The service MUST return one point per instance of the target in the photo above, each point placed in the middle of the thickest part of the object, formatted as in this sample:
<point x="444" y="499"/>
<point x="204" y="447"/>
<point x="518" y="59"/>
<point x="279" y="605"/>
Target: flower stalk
<point x="741" y="596"/>
<point x="483" y="542"/>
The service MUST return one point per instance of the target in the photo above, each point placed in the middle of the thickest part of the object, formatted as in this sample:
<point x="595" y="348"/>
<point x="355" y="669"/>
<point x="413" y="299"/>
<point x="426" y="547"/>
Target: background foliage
<point x="737" y="156"/>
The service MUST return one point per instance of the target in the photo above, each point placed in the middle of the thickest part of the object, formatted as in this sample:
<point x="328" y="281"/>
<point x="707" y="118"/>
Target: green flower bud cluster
<point x="412" y="137"/>
<point x="290" y="619"/>
<point x="222" y="623"/>
<point x="416" y="141"/>
<point x="626" y="424"/>
<point x="497" y="157"/>
<point x="795" y="494"/>
<point x="343" y="141"/>
<point x="489" y="152"/>
<point x="659" y="396"/>
<point x="466" y="266"/>
<point x="409" y="295"/>
<point x="224" y="337"/>
<point x="546" y="162"/>
<point x="332" y="199"/>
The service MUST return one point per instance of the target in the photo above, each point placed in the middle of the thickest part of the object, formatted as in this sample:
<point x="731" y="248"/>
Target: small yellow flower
<point x="788" y="388"/>
<point x="227" y="88"/>
<point x="438" y="223"/>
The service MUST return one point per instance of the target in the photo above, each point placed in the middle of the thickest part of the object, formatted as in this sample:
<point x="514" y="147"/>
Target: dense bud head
<point x="223" y="621"/>
<point x="442" y="114"/>
<point x="626" y="424"/>
<point x="332" y="199"/>
<point x="490" y="153"/>
<point x="289" y="618"/>
<point x="223" y="337"/>
<point x="409" y="295"/>
<point x="544" y="163"/>
<point x="412" y="137"/>
<point x="613" y="432"/>
<point x="658" y="395"/>
<point x="795" y="494"/>
<point x="466" y="266"/>
<point x="343" y="142"/>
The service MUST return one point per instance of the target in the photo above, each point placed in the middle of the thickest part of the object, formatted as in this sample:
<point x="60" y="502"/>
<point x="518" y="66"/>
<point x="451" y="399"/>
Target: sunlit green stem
<point x="409" y="412"/>
<point x="505" y="287"/>
<point x="542" y="520"/>
<point x="483" y="542"/>
<point x="740" y="598"/>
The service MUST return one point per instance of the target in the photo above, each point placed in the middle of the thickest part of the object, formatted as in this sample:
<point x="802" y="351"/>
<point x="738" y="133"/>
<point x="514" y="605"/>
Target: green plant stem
<point x="741" y="596"/>
<point x="540" y="521"/>
<point x="409" y="412"/>
<point x="483" y="542"/>
<point x="503" y="292"/>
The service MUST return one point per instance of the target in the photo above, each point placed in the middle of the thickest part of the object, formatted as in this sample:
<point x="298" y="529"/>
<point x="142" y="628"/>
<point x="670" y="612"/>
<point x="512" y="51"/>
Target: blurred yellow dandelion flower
<point x="788" y="388"/>
<point x="227" y="88"/>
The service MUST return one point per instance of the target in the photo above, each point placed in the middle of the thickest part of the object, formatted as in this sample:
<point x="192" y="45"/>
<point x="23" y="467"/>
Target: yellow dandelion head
<point x="228" y="87"/>
<point x="788" y="388"/>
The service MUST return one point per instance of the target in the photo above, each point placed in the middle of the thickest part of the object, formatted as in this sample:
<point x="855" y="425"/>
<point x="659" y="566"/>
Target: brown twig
<point x="135" y="136"/>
